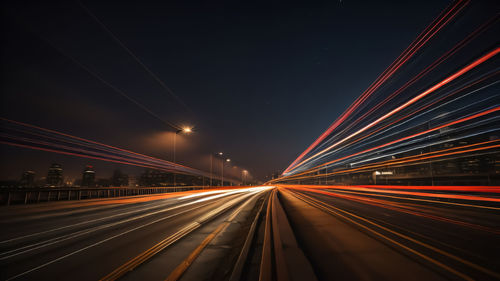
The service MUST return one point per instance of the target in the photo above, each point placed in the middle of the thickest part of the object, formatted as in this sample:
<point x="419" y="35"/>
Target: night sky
<point x="259" y="83"/>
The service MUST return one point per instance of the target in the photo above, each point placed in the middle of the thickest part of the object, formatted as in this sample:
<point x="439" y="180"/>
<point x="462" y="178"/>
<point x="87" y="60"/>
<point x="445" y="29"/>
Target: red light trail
<point x="410" y="102"/>
<point x="423" y="38"/>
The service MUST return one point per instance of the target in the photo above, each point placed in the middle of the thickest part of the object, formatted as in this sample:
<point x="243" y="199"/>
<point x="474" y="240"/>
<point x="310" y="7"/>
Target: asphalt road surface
<point x="261" y="233"/>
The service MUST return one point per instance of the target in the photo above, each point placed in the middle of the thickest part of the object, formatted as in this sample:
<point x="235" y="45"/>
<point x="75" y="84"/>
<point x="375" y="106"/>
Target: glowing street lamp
<point x="222" y="167"/>
<point x="185" y="130"/>
<point x="211" y="165"/>
<point x="222" y="171"/>
<point x="243" y="174"/>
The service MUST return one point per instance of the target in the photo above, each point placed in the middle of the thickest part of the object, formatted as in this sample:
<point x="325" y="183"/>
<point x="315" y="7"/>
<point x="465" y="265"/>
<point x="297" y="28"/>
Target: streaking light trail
<point x="418" y="122"/>
<point x="29" y="136"/>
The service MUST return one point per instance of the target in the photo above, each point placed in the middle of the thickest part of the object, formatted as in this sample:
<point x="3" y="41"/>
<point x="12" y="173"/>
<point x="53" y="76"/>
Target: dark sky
<point x="260" y="82"/>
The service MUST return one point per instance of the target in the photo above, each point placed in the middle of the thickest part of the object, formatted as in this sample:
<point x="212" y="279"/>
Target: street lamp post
<point x="243" y="174"/>
<point x="222" y="167"/>
<point x="185" y="130"/>
<point x="212" y="164"/>
<point x="222" y="171"/>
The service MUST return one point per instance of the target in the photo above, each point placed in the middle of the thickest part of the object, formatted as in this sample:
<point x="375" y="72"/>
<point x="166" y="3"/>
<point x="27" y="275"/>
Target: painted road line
<point x="425" y="257"/>
<point x="335" y="210"/>
<point x="136" y="261"/>
<point x="101" y="242"/>
<point x="186" y="263"/>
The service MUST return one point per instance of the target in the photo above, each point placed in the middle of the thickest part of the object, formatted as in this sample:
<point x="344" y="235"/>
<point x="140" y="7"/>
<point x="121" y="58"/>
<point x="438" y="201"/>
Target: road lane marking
<point x="100" y="219"/>
<point x="243" y="256"/>
<point x="331" y="210"/>
<point x="77" y="224"/>
<point x="402" y="208"/>
<point x="265" y="268"/>
<point x="186" y="263"/>
<point x="55" y="240"/>
<point x="417" y="199"/>
<point x="138" y="260"/>
<point x="133" y="263"/>
<point x="102" y="241"/>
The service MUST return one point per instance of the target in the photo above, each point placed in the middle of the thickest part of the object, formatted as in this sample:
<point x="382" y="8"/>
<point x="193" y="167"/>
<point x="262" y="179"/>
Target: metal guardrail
<point x="10" y="196"/>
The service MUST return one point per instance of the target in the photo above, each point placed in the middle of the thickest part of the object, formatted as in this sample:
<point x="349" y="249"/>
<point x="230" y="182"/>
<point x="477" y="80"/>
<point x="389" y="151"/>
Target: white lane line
<point x="82" y="223"/>
<point x="100" y="242"/>
<point x="52" y="241"/>
<point x="149" y="253"/>
<point x="107" y="239"/>
<point x="90" y="221"/>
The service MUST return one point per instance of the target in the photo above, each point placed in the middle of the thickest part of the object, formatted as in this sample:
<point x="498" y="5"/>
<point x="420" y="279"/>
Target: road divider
<point x="243" y="256"/>
<point x="281" y="254"/>
<point x="177" y="273"/>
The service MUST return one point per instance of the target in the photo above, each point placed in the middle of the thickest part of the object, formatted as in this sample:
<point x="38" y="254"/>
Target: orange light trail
<point x="403" y="208"/>
<point x="428" y="33"/>
<point x="409" y="159"/>
<point x="418" y="134"/>
<point x="437" y="62"/>
<point x="422" y="194"/>
<point x="432" y="89"/>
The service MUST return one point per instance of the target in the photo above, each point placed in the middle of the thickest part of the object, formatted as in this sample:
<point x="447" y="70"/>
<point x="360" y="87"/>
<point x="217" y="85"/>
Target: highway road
<point x="287" y="232"/>
<point x="88" y="240"/>
<point x="384" y="234"/>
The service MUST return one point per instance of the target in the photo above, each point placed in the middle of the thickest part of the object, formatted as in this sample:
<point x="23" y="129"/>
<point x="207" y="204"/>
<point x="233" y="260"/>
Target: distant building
<point x="9" y="183"/>
<point x="132" y="181"/>
<point x="69" y="181"/>
<point x="156" y="178"/>
<point x="103" y="183"/>
<point x="119" y="179"/>
<point x="88" y="178"/>
<point x="77" y="183"/>
<point x="27" y="179"/>
<point x="55" y="175"/>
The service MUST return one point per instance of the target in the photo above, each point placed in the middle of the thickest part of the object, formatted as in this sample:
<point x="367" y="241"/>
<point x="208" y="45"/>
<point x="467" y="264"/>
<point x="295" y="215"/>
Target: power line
<point x="116" y="89"/>
<point x="119" y="42"/>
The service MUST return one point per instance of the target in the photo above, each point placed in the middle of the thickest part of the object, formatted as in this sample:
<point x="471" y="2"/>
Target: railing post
<point x="79" y="195"/>
<point x="8" y="198"/>
<point x="38" y="197"/>
<point x="69" y="194"/>
<point x="58" y="195"/>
